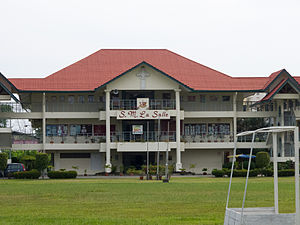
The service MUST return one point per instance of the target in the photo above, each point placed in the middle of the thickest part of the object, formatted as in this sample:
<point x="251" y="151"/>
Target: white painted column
<point x="275" y="172"/>
<point x="296" y="143"/>
<point x="44" y="121"/>
<point x="178" y="150"/>
<point x="234" y="118"/>
<point x="107" y="115"/>
<point x="282" y="124"/>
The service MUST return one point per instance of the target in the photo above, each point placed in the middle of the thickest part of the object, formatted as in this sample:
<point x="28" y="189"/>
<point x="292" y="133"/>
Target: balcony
<point x="8" y="107"/>
<point x="208" y="137"/>
<point x="75" y="107"/>
<point x="154" y="104"/>
<point x="208" y="106"/>
<point x="252" y="106"/>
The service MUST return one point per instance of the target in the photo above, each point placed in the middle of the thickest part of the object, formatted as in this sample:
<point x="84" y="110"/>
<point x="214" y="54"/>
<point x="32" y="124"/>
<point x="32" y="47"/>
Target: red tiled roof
<point x="270" y="94"/>
<point x="105" y="65"/>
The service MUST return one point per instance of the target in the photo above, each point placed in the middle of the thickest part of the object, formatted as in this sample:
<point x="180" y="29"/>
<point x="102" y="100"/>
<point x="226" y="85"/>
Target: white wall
<point x="210" y="159"/>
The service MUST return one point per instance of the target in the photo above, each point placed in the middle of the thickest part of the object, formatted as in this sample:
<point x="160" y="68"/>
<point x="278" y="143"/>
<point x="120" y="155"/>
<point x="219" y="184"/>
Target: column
<point x="234" y="118"/>
<point x="178" y="152"/>
<point x="44" y="121"/>
<point x="282" y="153"/>
<point x="297" y="200"/>
<point x="107" y="119"/>
<point x="275" y="172"/>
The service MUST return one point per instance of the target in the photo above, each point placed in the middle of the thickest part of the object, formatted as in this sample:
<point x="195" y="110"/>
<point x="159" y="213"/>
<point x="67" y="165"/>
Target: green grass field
<point x="130" y="201"/>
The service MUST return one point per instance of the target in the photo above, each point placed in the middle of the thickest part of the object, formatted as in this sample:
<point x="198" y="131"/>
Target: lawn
<point x="130" y="201"/>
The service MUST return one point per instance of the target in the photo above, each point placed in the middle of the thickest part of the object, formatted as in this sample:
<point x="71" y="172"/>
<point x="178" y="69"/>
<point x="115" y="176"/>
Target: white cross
<point x="142" y="75"/>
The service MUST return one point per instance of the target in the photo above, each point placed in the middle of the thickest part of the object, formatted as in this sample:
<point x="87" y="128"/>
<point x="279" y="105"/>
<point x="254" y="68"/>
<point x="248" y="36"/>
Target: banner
<point x="142" y="114"/>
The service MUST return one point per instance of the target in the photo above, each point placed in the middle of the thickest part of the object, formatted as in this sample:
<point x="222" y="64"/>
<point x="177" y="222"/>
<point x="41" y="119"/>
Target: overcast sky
<point x="237" y="37"/>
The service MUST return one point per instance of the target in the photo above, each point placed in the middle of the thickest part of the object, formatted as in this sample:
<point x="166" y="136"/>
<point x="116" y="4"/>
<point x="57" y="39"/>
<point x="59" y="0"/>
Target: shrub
<point x="267" y="172"/>
<point x="62" y="174"/>
<point x="252" y="166"/>
<point x="3" y="161"/>
<point x="286" y="173"/>
<point x="32" y="174"/>
<point x="42" y="161"/>
<point x="218" y="173"/>
<point x="227" y="165"/>
<point x="239" y="173"/>
<point x="262" y="159"/>
<point x="28" y="161"/>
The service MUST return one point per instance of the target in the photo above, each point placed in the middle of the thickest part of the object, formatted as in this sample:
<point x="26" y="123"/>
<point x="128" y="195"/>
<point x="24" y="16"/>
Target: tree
<point x="4" y="108"/>
<point x="41" y="162"/>
<point x="262" y="159"/>
<point x="3" y="162"/>
<point x="28" y="161"/>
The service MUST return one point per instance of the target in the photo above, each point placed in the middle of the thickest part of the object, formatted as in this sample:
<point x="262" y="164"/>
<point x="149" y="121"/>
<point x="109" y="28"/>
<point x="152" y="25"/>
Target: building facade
<point x="113" y="106"/>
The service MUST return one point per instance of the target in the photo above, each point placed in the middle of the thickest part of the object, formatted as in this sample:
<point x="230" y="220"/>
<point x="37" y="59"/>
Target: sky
<point x="236" y="37"/>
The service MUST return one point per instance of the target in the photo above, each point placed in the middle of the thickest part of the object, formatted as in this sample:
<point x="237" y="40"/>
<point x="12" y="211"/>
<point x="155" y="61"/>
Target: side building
<point x="113" y="106"/>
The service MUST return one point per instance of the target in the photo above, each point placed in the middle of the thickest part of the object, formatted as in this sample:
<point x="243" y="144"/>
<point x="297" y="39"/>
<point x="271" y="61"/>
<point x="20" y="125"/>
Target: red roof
<point x="270" y="94"/>
<point x="104" y="65"/>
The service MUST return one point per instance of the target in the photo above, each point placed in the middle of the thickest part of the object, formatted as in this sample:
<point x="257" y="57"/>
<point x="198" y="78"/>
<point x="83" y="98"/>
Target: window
<point x="191" y="98"/>
<point x="81" y="99"/>
<point x="53" y="98"/>
<point x="202" y="98"/>
<point x="101" y="99"/>
<point x="213" y="98"/>
<point x="61" y="98"/>
<point x="74" y="155"/>
<point x="166" y="95"/>
<point x="226" y="98"/>
<point x="56" y="130"/>
<point x="194" y="129"/>
<point x="91" y="98"/>
<point x="71" y="99"/>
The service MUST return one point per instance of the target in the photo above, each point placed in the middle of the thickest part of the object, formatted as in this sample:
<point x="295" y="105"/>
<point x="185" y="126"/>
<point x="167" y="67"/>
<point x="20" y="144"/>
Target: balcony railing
<point x="20" y="108"/>
<point x="208" y="106"/>
<point x="208" y="137"/>
<point x="26" y="138"/>
<point x="131" y="104"/>
<point x="259" y="137"/>
<point x="75" y="107"/>
<point x="252" y="106"/>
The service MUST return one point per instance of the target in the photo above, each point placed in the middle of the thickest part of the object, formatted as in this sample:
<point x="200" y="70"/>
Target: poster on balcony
<point x="137" y="129"/>
<point x="142" y="103"/>
<point x="142" y="114"/>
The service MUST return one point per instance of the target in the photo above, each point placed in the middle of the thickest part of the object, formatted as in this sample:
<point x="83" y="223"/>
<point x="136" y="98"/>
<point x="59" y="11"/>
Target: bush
<point x="3" y="161"/>
<point x="218" y="173"/>
<point x="227" y="165"/>
<point x="262" y="159"/>
<point x="28" y="161"/>
<point x="42" y="161"/>
<point x="62" y="174"/>
<point x="239" y="173"/>
<point x="267" y="172"/>
<point x="286" y="173"/>
<point x="32" y="174"/>
<point x="252" y="166"/>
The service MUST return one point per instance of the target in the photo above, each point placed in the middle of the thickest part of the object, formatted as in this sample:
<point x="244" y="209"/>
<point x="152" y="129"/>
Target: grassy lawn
<point x="130" y="201"/>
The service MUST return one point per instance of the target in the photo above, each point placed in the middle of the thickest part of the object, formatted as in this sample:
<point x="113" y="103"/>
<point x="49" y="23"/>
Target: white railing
<point x="75" y="107"/>
<point x="26" y="138"/>
<point x="208" y="137"/>
<point x="209" y="106"/>
<point x="252" y="106"/>
<point x="131" y="104"/>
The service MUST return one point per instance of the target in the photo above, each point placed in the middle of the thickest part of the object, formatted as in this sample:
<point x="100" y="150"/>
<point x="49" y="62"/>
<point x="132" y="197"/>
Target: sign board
<point x="142" y="103"/>
<point x="142" y="114"/>
<point x="137" y="129"/>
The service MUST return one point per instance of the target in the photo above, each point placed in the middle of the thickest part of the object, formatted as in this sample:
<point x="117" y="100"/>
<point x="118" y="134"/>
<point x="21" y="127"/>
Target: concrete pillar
<point x="178" y="150"/>
<point x="234" y="118"/>
<point x="282" y="124"/>
<point x="275" y="172"/>
<point x="296" y="143"/>
<point x="107" y="115"/>
<point x="44" y="121"/>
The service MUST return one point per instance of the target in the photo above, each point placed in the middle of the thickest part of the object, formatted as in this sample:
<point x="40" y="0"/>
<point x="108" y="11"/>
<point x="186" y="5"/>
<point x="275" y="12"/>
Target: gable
<point x="143" y="77"/>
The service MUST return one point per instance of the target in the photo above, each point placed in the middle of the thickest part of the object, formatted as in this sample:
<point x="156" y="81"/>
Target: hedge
<point x="62" y="174"/>
<point x="32" y="174"/>
<point x="253" y="173"/>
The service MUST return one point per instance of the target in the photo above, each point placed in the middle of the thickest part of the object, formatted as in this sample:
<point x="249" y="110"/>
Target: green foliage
<point x="227" y="165"/>
<point x="218" y="173"/>
<point x="245" y="124"/>
<point x="113" y="169"/>
<point x="4" y="108"/>
<point x="28" y="161"/>
<point x="262" y="159"/>
<point x="33" y="174"/>
<point x="267" y="172"/>
<point x="286" y="173"/>
<point x="62" y="174"/>
<point x="246" y="163"/>
<point x="42" y="161"/>
<point x="122" y="168"/>
<point x="3" y="161"/>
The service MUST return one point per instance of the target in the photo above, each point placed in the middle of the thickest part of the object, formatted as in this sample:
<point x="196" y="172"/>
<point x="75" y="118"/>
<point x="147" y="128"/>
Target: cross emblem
<point x="142" y="75"/>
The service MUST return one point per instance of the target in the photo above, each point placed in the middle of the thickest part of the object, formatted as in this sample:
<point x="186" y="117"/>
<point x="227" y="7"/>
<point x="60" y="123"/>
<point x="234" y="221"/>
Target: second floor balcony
<point x="131" y="104"/>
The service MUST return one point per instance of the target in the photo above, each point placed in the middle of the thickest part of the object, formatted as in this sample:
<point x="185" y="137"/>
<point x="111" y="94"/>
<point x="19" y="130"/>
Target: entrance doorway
<point x="137" y="159"/>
